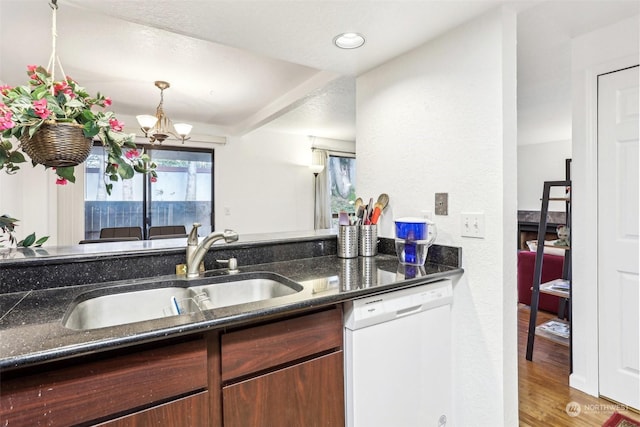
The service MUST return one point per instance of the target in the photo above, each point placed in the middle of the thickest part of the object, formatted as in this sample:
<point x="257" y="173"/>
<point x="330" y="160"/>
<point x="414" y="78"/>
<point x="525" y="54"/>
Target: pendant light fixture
<point x="159" y="127"/>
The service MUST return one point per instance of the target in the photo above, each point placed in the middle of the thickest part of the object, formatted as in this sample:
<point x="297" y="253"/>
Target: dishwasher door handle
<point x="409" y="310"/>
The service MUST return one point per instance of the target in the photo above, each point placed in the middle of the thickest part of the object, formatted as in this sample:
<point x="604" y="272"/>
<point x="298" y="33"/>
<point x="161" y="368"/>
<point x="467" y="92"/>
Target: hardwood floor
<point x="544" y="391"/>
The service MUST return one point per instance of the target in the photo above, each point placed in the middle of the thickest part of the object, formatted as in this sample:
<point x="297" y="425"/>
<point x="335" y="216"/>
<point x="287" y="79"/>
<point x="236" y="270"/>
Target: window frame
<point x="146" y="187"/>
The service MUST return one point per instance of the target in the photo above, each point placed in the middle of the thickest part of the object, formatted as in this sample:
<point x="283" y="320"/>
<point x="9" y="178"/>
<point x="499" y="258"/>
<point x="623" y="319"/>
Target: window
<point x="182" y="195"/>
<point x="342" y="184"/>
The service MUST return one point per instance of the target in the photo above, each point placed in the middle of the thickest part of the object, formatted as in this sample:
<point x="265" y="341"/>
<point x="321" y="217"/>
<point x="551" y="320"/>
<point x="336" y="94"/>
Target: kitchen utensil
<point x="383" y="201"/>
<point x="343" y="218"/>
<point x="356" y="205"/>
<point x="376" y="214"/>
<point x="367" y="215"/>
<point x="359" y="214"/>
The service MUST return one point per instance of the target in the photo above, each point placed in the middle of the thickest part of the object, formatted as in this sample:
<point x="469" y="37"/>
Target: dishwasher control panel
<point x="391" y="305"/>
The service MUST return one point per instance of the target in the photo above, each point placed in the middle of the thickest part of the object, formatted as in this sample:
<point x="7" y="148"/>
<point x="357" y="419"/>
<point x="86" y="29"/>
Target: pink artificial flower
<point x="40" y="108"/>
<point x="5" y="117"/>
<point x="116" y="124"/>
<point x="132" y="154"/>
<point x="6" y="122"/>
<point x="107" y="101"/>
<point x="32" y="68"/>
<point x="4" y="89"/>
<point x="61" y="181"/>
<point x="154" y="179"/>
<point x="64" y="88"/>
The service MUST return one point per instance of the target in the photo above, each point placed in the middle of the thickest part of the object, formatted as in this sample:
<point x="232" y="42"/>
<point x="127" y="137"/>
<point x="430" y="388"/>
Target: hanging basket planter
<point x="57" y="144"/>
<point x="63" y="120"/>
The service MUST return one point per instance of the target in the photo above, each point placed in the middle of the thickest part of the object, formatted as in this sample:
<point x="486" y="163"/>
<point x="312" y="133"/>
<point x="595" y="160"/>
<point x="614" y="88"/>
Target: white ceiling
<point x="237" y="65"/>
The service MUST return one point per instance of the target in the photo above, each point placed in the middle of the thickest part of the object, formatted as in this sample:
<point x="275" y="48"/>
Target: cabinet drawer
<point x="189" y="411"/>
<point x="307" y="394"/>
<point x="262" y="347"/>
<point x="97" y="389"/>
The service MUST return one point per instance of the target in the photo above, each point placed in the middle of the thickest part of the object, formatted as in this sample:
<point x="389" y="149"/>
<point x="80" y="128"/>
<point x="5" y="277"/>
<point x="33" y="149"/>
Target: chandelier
<point x="158" y="127"/>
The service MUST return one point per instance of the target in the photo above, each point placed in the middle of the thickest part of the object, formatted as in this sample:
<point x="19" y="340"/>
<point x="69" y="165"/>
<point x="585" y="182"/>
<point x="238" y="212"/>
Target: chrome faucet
<point x="196" y="252"/>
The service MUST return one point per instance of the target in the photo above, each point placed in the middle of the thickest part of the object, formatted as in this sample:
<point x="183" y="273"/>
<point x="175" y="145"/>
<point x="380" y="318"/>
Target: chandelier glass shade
<point x="159" y="127"/>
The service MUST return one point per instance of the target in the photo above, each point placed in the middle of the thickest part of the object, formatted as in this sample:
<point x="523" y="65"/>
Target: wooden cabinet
<point x="305" y="394"/>
<point x="94" y="391"/>
<point x="285" y="373"/>
<point x="188" y="411"/>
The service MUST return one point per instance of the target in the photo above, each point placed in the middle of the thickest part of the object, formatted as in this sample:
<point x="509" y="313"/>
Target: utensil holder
<point x="348" y="241"/>
<point x="368" y="242"/>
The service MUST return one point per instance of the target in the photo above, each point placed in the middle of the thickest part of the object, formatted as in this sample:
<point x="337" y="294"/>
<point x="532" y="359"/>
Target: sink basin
<point x="150" y="300"/>
<point x="225" y="294"/>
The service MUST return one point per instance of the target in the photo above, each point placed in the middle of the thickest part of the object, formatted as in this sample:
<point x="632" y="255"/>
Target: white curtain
<point x="322" y="213"/>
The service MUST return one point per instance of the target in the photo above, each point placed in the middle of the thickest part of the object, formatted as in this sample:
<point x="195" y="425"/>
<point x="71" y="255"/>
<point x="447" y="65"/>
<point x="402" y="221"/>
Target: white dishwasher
<point x="398" y="358"/>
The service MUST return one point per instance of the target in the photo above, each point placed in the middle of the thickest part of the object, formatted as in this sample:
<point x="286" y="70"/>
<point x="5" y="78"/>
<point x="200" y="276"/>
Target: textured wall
<point x="538" y="163"/>
<point x="441" y="118"/>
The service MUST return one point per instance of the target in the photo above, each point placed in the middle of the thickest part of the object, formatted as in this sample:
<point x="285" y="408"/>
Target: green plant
<point x="24" y="109"/>
<point x="8" y="225"/>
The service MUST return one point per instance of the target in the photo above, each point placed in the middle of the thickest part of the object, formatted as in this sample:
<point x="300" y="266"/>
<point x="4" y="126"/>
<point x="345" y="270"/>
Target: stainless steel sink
<point x="150" y="300"/>
<point x="243" y="291"/>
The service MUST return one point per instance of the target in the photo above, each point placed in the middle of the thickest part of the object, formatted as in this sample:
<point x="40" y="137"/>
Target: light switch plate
<point x="442" y="204"/>
<point x="472" y="224"/>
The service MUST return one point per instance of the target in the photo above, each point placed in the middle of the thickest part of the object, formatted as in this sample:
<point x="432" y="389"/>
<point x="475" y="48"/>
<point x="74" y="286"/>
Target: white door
<point x="619" y="299"/>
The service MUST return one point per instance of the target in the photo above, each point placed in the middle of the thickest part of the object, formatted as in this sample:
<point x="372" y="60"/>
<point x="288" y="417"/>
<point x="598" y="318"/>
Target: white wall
<point x="263" y="181"/>
<point x="607" y="49"/>
<point x="30" y="196"/>
<point x="538" y="163"/>
<point x="263" y="178"/>
<point x="441" y="118"/>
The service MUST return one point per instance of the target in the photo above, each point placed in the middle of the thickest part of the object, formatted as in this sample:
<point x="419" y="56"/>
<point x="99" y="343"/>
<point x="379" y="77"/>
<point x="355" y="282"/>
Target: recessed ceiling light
<point x="349" y="40"/>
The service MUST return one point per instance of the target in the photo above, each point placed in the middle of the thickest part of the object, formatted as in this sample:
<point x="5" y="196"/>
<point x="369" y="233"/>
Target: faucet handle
<point x="193" y="235"/>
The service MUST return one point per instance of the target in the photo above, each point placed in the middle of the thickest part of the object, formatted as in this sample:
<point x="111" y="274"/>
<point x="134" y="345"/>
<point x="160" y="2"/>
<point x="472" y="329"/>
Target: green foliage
<point x="9" y="157"/>
<point x="8" y="225"/>
<point x="24" y="109"/>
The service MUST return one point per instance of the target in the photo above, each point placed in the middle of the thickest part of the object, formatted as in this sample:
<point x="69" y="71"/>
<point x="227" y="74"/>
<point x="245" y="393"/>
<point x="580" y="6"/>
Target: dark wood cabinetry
<point x="305" y="394"/>
<point x="283" y="373"/>
<point x="101" y="389"/>
<point x="188" y="411"/>
<point x="287" y="373"/>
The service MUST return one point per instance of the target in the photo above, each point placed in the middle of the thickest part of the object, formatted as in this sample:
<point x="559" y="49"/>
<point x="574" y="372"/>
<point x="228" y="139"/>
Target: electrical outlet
<point x="472" y="224"/>
<point x="227" y="211"/>
<point x="442" y="204"/>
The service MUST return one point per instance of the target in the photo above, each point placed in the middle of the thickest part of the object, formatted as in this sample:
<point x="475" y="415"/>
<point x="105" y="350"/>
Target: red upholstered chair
<point x="551" y="269"/>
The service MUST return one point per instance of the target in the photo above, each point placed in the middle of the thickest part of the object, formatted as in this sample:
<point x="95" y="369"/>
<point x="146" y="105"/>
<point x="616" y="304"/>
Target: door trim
<point x="585" y="204"/>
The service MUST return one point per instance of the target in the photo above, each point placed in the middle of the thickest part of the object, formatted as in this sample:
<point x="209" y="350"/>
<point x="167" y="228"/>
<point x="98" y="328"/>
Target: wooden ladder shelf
<point x="557" y="330"/>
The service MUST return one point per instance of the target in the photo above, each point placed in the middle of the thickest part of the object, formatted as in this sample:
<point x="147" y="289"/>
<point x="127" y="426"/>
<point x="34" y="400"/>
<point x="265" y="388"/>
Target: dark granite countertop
<point x="32" y="332"/>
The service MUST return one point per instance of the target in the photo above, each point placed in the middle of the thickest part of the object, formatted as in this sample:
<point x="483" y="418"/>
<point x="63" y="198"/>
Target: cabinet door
<point x="82" y="392"/>
<point x="307" y="394"/>
<point x="186" y="412"/>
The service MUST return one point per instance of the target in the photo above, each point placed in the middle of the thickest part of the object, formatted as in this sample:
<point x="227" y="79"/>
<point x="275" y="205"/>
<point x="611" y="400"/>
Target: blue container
<point x="411" y="228"/>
